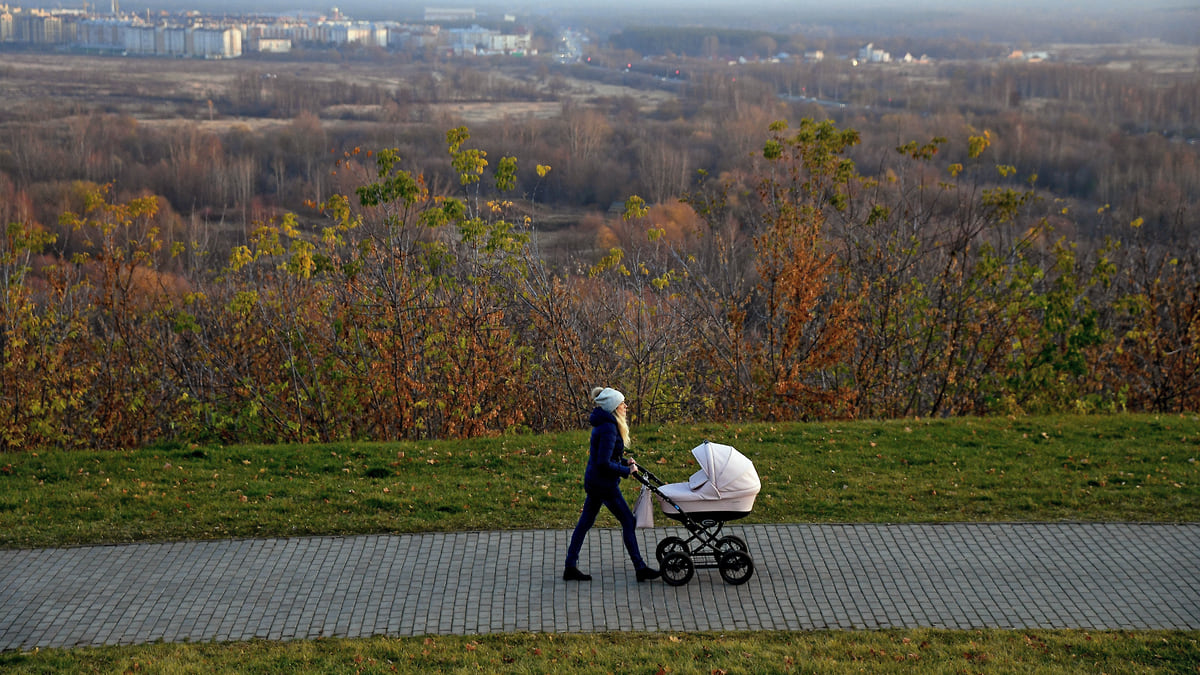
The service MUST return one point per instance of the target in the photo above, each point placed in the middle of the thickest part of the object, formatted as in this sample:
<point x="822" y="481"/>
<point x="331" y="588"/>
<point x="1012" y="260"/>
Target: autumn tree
<point x="774" y="336"/>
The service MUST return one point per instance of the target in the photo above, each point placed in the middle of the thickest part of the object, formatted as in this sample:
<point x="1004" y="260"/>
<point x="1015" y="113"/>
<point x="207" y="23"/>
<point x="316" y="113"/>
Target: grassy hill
<point x="1085" y="468"/>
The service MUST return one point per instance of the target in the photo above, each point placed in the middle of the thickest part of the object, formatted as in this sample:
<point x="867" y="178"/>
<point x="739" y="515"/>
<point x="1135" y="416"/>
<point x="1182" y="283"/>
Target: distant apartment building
<point x="192" y="35"/>
<point x="445" y="14"/>
<point x="216" y="43"/>
<point x="357" y="32"/>
<point x="101" y="33"/>
<point x="270" y="45"/>
<point x="138" y="40"/>
<point x="37" y="27"/>
<point x="413" y="38"/>
<point x="130" y="37"/>
<point x="477" y="40"/>
<point x="173" y="41"/>
<point x="279" y="36"/>
<point x="869" y="54"/>
<point x="511" y="43"/>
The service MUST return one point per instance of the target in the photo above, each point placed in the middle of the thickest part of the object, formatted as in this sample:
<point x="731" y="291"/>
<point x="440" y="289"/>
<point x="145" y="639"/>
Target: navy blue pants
<point x="611" y="497"/>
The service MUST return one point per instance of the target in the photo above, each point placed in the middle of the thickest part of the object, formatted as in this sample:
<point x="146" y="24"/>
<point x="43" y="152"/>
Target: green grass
<point x="1101" y="468"/>
<point x="924" y="651"/>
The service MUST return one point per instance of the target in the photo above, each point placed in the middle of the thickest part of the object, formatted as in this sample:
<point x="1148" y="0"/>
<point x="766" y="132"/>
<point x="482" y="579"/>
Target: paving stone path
<point x="1005" y="575"/>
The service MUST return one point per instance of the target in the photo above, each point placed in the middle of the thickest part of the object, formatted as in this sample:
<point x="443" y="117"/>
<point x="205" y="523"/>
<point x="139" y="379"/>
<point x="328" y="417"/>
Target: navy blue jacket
<point x="606" y="463"/>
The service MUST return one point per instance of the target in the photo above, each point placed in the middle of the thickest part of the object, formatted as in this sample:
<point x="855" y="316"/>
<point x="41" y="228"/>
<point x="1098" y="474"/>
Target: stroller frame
<point x="705" y="549"/>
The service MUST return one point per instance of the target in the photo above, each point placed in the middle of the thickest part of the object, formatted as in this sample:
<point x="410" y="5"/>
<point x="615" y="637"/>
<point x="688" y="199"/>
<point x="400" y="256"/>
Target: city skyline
<point x="1021" y="22"/>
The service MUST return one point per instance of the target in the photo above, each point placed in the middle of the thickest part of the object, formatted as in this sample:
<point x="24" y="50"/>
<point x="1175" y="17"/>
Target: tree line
<point x="797" y="287"/>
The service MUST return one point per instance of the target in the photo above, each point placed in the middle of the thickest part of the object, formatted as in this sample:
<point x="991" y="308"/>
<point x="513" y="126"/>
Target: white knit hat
<point x="609" y="399"/>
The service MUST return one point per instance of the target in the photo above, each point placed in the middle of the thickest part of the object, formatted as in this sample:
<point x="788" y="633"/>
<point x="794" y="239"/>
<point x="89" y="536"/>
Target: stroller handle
<point x="653" y="482"/>
<point x="646" y="478"/>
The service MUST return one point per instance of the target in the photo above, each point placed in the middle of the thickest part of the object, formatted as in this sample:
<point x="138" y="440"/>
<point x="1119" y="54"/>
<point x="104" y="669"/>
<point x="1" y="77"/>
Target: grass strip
<point x="1068" y="468"/>
<point x="892" y="651"/>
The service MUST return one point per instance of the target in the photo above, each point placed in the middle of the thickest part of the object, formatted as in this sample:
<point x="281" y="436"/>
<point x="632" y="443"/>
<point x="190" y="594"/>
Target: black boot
<point x="647" y="573"/>
<point x="573" y="574"/>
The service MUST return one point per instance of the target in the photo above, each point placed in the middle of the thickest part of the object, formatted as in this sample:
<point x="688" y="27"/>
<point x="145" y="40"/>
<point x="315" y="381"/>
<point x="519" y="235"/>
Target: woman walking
<point x="602" y="483"/>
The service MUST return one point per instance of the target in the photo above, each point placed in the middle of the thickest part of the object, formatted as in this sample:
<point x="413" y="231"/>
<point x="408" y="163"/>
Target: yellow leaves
<point x="542" y="170"/>
<point x="288" y="227"/>
<point x="330" y="237"/>
<point x="923" y="152"/>
<point x="337" y="207"/>
<point x="977" y="144"/>
<point x="470" y="165"/>
<point x="243" y="303"/>
<point x="635" y="207"/>
<point x="301" y="262"/>
<point x="239" y="257"/>
<point x="955" y="169"/>
<point x="608" y="262"/>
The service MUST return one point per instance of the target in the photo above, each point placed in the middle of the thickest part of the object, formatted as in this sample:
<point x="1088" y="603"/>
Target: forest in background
<point x="807" y="241"/>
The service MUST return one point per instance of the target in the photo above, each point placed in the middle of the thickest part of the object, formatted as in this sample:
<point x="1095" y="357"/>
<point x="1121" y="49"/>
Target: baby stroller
<point x="722" y="490"/>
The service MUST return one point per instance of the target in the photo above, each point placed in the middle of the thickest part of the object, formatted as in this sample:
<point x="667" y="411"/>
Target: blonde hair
<point x="623" y="427"/>
<point x="622" y="419"/>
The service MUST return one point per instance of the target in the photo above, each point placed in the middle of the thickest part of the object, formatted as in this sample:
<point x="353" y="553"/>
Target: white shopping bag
<point x="643" y="508"/>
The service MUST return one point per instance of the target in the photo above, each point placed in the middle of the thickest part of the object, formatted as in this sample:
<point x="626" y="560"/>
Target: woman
<point x="602" y="483"/>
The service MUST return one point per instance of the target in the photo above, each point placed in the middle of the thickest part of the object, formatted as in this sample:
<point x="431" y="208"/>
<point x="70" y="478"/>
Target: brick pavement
<point x="853" y="576"/>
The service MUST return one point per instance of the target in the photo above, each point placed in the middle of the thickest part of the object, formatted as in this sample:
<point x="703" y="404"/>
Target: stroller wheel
<point x="736" y="567"/>
<point x="668" y="546"/>
<point x="677" y="569"/>
<point x="731" y="543"/>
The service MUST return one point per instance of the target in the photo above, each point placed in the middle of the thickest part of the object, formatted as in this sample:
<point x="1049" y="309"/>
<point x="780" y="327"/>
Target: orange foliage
<point x="678" y="220"/>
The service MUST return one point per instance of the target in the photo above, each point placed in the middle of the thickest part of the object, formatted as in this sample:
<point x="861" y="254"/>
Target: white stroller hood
<point x="724" y="472"/>
<point x="726" y="481"/>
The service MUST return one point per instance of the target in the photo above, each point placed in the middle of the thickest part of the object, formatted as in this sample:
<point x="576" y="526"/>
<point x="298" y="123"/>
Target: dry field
<point x="42" y="87"/>
<point x="1149" y="55"/>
